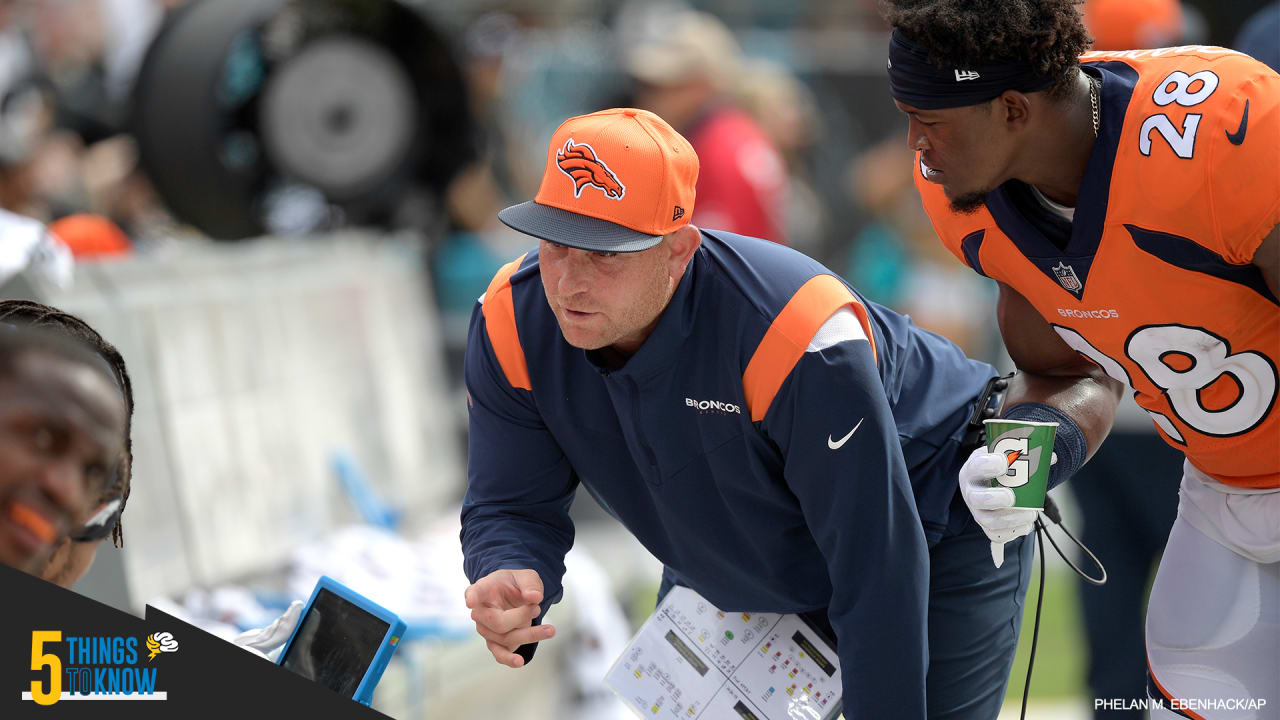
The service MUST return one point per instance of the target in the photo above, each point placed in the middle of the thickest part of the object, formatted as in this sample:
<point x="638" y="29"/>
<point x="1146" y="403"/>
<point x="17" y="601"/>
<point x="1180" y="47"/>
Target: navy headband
<point x="915" y="81"/>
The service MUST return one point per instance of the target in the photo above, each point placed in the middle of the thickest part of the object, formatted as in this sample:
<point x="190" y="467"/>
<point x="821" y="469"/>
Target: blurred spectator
<point x="61" y="421"/>
<point x="785" y="109"/>
<point x="128" y="28"/>
<point x="685" y="70"/>
<point x="27" y="113"/>
<point x="896" y="258"/>
<point x="91" y="51"/>
<point x="1260" y="36"/>
<point x="520" y="78"/>
<point x="1129" y="24"/>
<point x="463" y="262"/>
<point x="76" y="61"/>
<point x="494" y="180"/>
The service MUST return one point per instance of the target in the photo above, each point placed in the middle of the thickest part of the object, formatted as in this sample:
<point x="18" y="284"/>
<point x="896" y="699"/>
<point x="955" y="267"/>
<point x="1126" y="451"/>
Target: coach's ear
<point x="681" y="245"/>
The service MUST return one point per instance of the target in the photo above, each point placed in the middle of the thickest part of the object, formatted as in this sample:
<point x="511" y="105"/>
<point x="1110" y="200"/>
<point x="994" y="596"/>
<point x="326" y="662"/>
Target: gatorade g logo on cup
<point x="1028" y="448"/>
<point x="1015" y="445"/>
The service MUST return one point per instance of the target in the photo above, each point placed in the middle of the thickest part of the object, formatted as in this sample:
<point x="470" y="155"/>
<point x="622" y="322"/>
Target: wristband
<point x="1068" y="440"/>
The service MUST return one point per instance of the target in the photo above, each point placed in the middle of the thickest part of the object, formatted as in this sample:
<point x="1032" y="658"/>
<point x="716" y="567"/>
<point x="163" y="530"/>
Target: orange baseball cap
<point x="616" y="181"/>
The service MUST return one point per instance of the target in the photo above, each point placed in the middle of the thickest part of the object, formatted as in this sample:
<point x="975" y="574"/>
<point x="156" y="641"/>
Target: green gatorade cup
<point x="1028" y="448"/>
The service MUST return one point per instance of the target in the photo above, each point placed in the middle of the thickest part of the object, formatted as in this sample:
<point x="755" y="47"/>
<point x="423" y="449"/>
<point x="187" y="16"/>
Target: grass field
<point x="1060" y="653"/>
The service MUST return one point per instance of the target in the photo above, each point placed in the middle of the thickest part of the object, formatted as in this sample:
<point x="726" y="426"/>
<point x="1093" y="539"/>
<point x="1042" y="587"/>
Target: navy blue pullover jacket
<point x="723" y="444"/>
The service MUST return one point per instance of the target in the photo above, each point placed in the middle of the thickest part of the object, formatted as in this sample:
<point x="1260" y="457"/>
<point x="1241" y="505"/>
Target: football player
<point x="1127" y="205"/>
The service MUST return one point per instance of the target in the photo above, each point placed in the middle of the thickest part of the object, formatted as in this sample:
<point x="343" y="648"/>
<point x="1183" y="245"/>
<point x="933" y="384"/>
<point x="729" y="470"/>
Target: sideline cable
<point x="990" y="403"/>
<point x="1035" y="633"/>
<point x="1053" y="516"/>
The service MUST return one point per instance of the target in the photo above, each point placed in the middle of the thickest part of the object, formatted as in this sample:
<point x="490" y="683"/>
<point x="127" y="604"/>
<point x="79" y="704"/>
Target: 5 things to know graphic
<point x="96" y="667"/>
<point x="63" y="655"/>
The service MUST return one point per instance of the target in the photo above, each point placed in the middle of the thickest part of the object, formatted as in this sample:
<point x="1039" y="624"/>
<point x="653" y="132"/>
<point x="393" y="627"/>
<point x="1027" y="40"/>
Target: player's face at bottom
<point x="60" y="429"/>
<point x="963" y="149"/>
<point x="605" y="299"/>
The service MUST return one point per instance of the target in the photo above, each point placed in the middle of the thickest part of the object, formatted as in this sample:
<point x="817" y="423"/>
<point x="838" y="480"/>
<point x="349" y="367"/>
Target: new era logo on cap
<point x="967" y="75"/>
<point x="615" y="181"/>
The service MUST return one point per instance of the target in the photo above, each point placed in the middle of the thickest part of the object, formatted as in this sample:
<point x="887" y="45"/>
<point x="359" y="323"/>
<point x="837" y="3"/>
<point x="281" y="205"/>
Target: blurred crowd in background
<point x="132" y="126"/>
<point x="785" y="102"/>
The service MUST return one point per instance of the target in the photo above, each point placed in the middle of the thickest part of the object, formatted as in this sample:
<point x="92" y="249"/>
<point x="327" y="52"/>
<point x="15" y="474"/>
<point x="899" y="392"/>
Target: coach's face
<point x="613" y="299"/>
<point x="963" y="149"/>
<point x="60" y="429"/>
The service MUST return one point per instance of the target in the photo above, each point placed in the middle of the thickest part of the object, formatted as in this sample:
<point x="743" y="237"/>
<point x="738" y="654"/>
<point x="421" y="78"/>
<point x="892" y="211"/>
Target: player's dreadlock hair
<point x="1049" y="35"/>
<point x="26" y="313"/>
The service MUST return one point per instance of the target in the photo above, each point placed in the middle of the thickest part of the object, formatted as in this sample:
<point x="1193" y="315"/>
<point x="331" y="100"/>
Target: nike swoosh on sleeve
<point x="837" y="444"/>
<point x="1237" y="137"/>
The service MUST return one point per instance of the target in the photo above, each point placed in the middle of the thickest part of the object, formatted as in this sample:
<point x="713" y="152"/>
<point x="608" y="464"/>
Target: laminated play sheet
<point x="691" y="660"/>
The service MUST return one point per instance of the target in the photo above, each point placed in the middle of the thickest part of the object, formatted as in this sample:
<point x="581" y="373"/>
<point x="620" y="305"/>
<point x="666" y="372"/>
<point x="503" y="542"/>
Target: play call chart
<point x="691" y="660"/>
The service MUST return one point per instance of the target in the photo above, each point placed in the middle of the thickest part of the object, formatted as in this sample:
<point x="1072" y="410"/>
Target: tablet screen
<point x="335" y="643"/>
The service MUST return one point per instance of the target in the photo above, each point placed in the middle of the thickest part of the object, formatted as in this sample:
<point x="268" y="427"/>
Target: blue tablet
<point x="343" y="641"/>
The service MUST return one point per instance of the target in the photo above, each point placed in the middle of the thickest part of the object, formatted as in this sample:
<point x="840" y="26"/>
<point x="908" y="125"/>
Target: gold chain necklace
<point x="1093" y="103"/>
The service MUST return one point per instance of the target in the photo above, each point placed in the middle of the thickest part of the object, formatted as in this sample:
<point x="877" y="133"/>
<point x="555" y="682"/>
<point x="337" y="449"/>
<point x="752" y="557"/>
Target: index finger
<point x="483" y="593"/>
<point x="529" y="584"/>
<point x="499" y="590"/>
<point x="513" y="596"/>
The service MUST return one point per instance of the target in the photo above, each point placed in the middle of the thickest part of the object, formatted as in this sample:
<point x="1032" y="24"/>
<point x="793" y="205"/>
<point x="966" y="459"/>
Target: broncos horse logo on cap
<point x="579" y="162"/>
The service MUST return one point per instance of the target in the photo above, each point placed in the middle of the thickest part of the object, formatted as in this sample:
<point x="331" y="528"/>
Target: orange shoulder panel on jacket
<point x="500" y="323"/>
<point x="790" y="334"/>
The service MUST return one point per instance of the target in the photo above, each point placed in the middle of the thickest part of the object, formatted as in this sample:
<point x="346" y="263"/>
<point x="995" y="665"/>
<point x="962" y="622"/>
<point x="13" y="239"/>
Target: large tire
<point x="359" y="102"/>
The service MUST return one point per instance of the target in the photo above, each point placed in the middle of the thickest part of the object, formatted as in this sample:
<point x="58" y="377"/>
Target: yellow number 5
<point x="43" y="659"/>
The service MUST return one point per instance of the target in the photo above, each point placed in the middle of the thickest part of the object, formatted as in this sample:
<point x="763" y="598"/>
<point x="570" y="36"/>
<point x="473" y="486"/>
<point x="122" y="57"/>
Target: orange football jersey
<point x="1155" y="283"/>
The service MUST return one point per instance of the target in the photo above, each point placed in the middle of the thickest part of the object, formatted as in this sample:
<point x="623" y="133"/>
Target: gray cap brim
<point x="578" y="231"/>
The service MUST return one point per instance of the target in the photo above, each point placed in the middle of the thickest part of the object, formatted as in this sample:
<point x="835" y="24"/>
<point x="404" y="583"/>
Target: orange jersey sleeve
<point x="1210" y="165"/>
<point x="1244" y="163"/>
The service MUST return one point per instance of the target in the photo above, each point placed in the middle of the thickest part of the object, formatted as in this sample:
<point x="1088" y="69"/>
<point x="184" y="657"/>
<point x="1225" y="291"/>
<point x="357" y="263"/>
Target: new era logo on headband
<point x="579" y="162"/>
<point x="916" y="81"/>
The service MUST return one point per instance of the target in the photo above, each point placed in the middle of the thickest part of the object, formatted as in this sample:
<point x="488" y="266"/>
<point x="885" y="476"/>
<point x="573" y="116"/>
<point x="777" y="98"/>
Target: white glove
<point x="993" y="507"/>
<point x="268" y="641"/>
